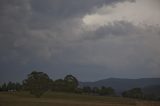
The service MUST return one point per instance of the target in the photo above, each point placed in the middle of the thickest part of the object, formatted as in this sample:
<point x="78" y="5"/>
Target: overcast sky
<point x="90" y="39"/>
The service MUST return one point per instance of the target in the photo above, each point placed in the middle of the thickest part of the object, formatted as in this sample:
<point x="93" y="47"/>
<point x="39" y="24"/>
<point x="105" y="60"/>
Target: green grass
<point x="67" y="99"/>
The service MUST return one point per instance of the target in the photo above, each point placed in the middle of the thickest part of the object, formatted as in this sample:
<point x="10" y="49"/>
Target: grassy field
<point x="65" y="99"/>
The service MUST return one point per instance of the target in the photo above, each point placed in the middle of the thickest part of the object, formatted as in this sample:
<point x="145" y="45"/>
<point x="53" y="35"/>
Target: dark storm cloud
<point x="50" y="35"/>
<point x="27" y="26"/>
<point x="32" y="31"/>
<point x="67" y="8"/>
<point x="48" y="12"/>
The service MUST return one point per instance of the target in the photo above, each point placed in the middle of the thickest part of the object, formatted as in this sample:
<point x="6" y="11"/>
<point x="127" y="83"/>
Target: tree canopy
<point x="37" y="83"/>
<point x="71" y="83"/>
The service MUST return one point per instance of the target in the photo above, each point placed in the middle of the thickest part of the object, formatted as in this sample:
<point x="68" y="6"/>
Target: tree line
<point x="37" y="83"/>
<point x="11" y="86"/>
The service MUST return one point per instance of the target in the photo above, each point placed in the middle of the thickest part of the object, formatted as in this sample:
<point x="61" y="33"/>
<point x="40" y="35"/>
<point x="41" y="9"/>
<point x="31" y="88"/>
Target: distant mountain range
<point x="122" y="84"/>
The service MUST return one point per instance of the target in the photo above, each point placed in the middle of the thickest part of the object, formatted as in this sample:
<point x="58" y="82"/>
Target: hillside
<point x="120" y="84"/>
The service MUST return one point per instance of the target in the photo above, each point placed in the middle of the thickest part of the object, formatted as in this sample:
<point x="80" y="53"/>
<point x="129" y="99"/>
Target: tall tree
<point x="11" y="86"/>
<point x="37" y="83"/>
<point x="71" y="83"/>
<point x="4" y="87"/>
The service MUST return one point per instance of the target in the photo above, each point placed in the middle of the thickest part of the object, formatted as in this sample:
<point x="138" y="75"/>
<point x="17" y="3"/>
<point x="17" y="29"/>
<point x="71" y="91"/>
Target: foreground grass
<point x="66" y="99"/>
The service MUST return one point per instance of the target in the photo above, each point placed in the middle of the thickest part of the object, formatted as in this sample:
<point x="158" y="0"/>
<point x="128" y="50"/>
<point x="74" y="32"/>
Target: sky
<point x="90" y="39"/>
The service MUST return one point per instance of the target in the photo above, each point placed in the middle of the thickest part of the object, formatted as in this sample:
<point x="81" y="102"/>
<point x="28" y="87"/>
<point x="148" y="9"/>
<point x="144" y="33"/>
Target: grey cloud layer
<point x="33" y="27"/>
<point x="50" y="34"/>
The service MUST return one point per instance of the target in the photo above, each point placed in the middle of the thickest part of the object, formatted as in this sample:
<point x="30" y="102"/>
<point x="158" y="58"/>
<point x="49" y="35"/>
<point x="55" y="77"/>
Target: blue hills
<point x="123" y="84"/>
